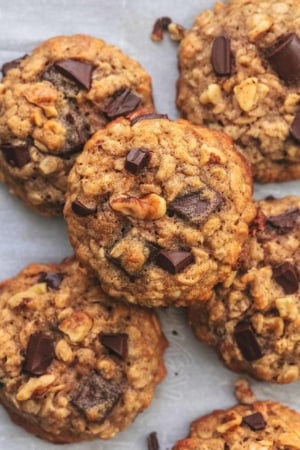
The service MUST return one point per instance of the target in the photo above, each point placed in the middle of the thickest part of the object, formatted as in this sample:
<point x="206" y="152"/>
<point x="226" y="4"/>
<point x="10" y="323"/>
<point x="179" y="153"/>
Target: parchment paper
<point x="197" y="382"/>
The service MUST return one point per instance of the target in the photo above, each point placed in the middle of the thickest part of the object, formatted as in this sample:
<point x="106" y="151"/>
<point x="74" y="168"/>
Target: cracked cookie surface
<point x="51" y="103"/>
<point x="264" y="425"/>
<point x="253" y="319"/>
<point x="73" y="365"/>
<point x="159" y="209"/>
<point x="240" y="72"/>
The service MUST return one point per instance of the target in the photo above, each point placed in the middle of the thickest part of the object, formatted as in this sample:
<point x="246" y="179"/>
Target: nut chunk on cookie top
<point x="264" y="425"/>
<point x="159" y="209"/>
<point x="51" y="103"/>
<point x="73" y="365"/>
<point x="240" y="73"/>
<point x="253" y="317"/>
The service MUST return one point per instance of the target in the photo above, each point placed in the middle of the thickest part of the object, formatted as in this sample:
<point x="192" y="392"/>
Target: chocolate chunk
<point x="246" y="341"/>
<point x="284" y="57"/>
<point x="221" y="56"/>
<point x="295" y="127"/>
<point x="255" y="421"/>
<point x="115" y="342"/>
<point x="96" y="397"/>
<point x="78" y="71"/>
<point x="152" y="441"/>
<point x="174" y="261"/>
<point x="136" y="160"/>
<point x="195" y="207"/>
<point x="283" y="223"/>
<point x="287" y="276"/>
<point x="16" y="155"/>
<point x="149" y="116"/>
<point x="11" y="64"/>
<point x="123" y="102"/>
<point x="83" y="210"/>
<point x="39" y="353"/>
<point x="52" y="279"/>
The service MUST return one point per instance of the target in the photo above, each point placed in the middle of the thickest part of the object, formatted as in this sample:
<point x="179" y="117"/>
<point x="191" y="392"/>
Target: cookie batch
<point x="160" y="213"/>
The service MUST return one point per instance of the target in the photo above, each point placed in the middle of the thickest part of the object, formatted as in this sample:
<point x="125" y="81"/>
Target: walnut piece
<point x="149" y="207"/>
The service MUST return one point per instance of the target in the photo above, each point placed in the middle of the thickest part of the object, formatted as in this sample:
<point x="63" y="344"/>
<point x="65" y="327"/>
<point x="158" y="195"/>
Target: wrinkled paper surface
<point x="197" y="382"/>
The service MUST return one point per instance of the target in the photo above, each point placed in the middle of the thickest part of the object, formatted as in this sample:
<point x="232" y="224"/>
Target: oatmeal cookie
<point x="50" y="104"/>
<point x="253" y="319"/>
<point x="264" y="425"/>
<point x="159" y="209"/>
<point x="74" y="365"/>
<point x="240" y="72"/>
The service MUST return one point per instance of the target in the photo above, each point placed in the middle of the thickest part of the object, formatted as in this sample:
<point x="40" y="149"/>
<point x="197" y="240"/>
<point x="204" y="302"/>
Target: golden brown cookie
<point x="253" y="319"/>
<point x="159" y="209"/>
<point x="74" y="365"/>
<point x="51" y="103"/>
<point x="264" y="425"/>
<point x="240" y="73"/>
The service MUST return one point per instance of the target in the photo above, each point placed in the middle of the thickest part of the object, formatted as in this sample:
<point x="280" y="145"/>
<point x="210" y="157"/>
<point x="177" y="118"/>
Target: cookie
<point x="159" y="209"/>
<point x="74" y="365"/>
<point x="253" y="319"/>
<point x="240" y="72"/>
<point x="264" y="425"/>
<point x="51" y="103"/>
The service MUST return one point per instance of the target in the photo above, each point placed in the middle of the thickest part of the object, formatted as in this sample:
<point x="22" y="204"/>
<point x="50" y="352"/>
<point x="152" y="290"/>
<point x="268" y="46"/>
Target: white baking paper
<point x="197" y="382"/>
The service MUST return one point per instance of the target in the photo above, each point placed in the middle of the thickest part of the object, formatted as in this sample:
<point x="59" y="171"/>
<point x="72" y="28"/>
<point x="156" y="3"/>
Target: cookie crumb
<point x="243" y="392"/>
<point x="176" y="31"/>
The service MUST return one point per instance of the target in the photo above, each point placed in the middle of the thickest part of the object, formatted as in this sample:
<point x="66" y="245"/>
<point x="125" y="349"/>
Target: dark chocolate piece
<point x="39" y="353"/>
<point x="152" y="441"/>
<point x="16" y="155"/>
<point x="284" y="57"/>
<point x="255" y="421"/>
<point x="115" y="342"/>
<point x="287" y="276"/>
<point x="123" y="102"/>
<point x="96" y="397"/>
<point x="52" y="279"/>
<point x="194" y="208"/>
<point x="83" y="210"/>
<point x="284" y="222"/>
<point x="78" y="71"/>
<point x="221" y="56"/>
<point x="295" y="127"/>
<point x="136" y="160"/>
<point x="246" y="340"/>
<point x="174" y="261"/>
<point x="11" y="65"/>
<point x="149" y="116"/>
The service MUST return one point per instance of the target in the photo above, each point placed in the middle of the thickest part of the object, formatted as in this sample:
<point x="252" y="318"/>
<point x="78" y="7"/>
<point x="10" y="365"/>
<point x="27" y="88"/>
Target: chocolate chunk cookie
<point x="159" y="209"/>
<point x="240" y="72"/>
<point x="51" y="103"/>
<point x="253" y="318"/>
<point x="74" y="365"/>
<point x="264" y="425"/>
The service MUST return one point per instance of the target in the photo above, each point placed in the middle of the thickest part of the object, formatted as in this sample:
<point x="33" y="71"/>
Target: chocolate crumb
<point x="152" y="441"/>
<point x="160" y="25"/>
